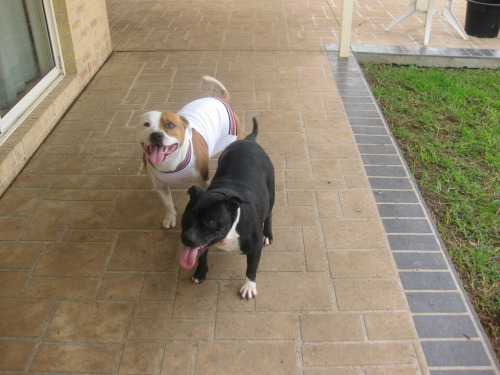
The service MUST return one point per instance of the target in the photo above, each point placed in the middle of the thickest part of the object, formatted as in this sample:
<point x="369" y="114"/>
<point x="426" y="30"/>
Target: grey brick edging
<point x="452" y="338"/>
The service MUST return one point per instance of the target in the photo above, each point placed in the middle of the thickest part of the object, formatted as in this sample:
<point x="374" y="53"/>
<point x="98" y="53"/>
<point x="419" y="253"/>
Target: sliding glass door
<point x="29" y="57"/>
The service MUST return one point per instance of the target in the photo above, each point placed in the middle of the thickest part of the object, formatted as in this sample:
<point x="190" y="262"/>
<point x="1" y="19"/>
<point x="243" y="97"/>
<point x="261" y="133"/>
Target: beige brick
<point x="282" y="143"/>
<point x="313" y="244"/>
<point x="234" y="358"/>
<point x="194" y="301"/>
<point x="177" y="359"/>
<point x="183" y="330"/>
<point x="20" y="202"/>
<point x="344" y="151"/>
<point x="368" y="234"/>
<point x="60" y="289"/>
<point x="323" y="124"/>
<point x="357" y="203"/>
<point x="88" y="236"/>
<point x="74" y="182"/>
<point x="19" y="255"/>
<point x="151" y="310"/>
<point x="96" y="209"/>
<point x="145" y="251"/>
<point x="147" y="215"/>
<point x="52" y="164"/>
<point x="361" y="295"/>
<point x="73" y="260"/>
<point x="300" y="198"/>
<point x="331" y="327"/>
<point x="88" y="322"/>
<point x="388" y="326"/>
<point x="63" y="358"/>
<point x="120" y="69"/>
<point x="321" y="85"/>
<point x="158" y="287"/>
<point x="91" y="215"/>
<point x="296" y="161"/>
<point x="327" y="183"/>
<point x="326" y="168"/>
<point x="391" y="371"/>
<point x="293" y="215"/>
<point x="334" y="105"/>
<point x="356" y="182"/>
<point x="120" y="286"/>
<point x="295" y="291"/>
<point x="11" y="228"/>
<point x="140" y="359"/>
<point x="15" y="354"/>
<point x="11" y="283"/>
<point x="352" y="167"/>
<point x="328" y="204"/>
<point x="254" y="327"/>
<point x="329" y="136"/>
<point x="359" y="264"/>
<point x="357" y="354"/>
<point x="292" y="261"/>
<point x="342" y="371"/>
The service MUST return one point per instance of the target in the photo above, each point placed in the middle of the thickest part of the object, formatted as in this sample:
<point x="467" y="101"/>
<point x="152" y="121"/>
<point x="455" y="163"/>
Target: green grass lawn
<point x="447" y="124"/>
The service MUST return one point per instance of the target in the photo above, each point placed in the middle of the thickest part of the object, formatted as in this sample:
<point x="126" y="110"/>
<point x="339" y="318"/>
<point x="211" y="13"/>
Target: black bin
<point x="482" y="18"/>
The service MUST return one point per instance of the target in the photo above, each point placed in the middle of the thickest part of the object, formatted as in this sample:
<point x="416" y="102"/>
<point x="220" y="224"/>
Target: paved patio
<point x="356" y="282"/>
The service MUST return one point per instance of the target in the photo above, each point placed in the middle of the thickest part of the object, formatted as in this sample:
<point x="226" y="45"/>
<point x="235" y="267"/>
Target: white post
<point x="345" y="28"/>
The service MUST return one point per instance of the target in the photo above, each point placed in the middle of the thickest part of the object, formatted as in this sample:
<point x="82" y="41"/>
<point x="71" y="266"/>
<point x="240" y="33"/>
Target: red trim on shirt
<point x="232" y="118"/>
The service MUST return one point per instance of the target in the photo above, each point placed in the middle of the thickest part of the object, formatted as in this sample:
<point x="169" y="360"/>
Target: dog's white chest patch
<point x="232" y="242"/>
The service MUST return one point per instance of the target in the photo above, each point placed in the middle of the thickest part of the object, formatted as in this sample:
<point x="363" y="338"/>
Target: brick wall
<point x="86" y="44"/>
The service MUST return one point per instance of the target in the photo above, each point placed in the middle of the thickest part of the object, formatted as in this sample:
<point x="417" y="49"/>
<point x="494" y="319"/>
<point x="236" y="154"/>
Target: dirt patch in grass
<point x="447" y="124"/>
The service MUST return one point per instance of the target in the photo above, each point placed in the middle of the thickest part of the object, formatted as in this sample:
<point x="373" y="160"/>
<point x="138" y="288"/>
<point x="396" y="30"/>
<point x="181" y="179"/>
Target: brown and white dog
<point x="177" y="146"/>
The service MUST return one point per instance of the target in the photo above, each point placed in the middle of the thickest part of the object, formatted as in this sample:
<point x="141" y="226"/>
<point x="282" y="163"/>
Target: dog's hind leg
<point x="268" y="229"/>
<point x="268" y="223"/>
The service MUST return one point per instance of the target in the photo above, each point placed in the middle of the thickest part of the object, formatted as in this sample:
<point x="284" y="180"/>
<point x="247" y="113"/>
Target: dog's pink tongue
<point x="156" y="156"/>
<point x="188" y="257"/>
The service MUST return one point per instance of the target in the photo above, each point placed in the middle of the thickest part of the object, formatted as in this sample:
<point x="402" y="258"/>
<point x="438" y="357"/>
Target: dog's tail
<point x="216" y="82"/>
<point x="255" y="131"/>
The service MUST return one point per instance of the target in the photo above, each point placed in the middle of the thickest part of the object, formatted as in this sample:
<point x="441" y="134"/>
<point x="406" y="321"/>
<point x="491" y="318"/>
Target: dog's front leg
<point x="201" y="270"/>
<point x="249" y="288"/>
<point x="166" y="197"/>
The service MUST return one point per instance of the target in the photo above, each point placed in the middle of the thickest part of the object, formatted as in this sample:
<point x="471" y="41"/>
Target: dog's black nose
<point x="156" y="138"/>
<point x="188" y="239"/>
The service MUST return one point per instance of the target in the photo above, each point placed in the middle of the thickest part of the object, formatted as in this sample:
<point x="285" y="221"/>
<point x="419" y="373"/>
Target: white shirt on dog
<point x="214" y="119"/>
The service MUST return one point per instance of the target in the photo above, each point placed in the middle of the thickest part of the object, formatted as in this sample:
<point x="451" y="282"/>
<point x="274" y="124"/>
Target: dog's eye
<point x="170" y="125"/>
<point x="147" y="124"/>
<point x="209" y="222"/>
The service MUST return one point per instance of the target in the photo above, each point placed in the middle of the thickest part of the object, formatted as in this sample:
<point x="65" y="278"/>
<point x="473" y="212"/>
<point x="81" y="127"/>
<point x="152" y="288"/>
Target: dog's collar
<point x="182" y="165"/>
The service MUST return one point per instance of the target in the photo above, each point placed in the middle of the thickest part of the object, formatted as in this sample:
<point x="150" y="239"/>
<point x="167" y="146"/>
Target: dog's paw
<point x="267" y="241"/>
<point x="248" y="290"/>
<point x="168" y="222"/>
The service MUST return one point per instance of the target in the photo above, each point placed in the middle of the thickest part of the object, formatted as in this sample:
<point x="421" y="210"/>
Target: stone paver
<point x="90" y="283"/>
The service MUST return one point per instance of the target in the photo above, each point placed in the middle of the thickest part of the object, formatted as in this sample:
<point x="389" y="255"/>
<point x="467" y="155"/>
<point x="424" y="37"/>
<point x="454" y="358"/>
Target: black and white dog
<point x="235" y="212"/>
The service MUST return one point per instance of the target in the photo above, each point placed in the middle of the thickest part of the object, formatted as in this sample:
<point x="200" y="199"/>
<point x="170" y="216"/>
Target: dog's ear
<point x="233" y="203"/>
<point x="193" y="191"/>
<point x="184" y="120"/>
